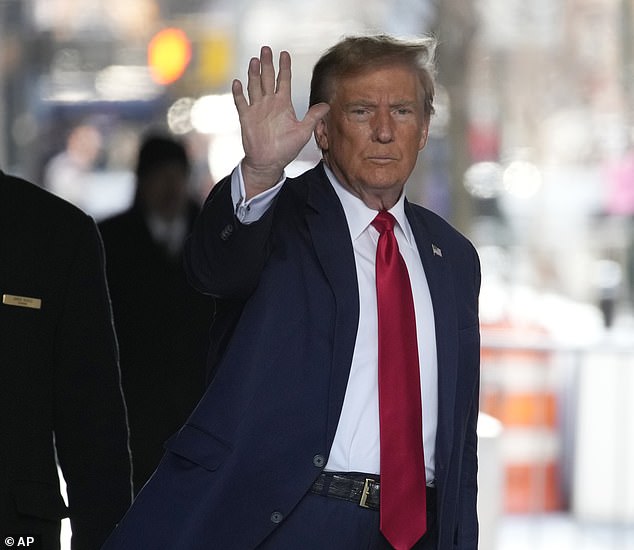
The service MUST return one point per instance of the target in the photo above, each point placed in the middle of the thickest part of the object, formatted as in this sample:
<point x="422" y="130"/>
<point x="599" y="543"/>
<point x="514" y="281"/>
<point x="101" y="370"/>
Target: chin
<point x="385" y="180"/>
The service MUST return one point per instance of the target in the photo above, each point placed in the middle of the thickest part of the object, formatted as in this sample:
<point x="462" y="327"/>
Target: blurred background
<point x="531" y="154"/>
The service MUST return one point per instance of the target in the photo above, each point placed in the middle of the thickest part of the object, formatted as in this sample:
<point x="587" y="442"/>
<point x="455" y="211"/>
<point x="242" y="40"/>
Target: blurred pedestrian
<point x="60" y="389"/>
<point x="66" y="173"/>
<point x="162" y="324"/>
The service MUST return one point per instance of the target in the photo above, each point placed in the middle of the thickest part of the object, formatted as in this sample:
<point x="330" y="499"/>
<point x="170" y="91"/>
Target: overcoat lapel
<point x="437" y="270"/>
<point x="328" y="228"/>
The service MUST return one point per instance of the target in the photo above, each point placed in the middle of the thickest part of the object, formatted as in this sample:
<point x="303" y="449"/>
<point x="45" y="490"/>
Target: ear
<point x="424" y="134"/>
<point x="321" y="134"/>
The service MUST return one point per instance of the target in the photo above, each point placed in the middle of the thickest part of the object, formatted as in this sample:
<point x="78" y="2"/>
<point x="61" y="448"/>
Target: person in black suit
<point x="286" y="449"/>
<point x="162" y="324"/>
<point x="60" y="389"/>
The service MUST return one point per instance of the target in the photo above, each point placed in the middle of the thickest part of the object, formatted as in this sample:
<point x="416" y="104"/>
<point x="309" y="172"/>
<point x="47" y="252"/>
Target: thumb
<point x="315" y="114"/>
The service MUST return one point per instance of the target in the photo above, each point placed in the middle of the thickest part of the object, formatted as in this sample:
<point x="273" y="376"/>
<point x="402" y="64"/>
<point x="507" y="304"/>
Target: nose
<point x="383" y="126"/>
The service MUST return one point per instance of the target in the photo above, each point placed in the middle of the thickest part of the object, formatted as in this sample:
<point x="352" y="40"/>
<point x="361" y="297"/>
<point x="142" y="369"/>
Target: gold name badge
<point x="21" y="301"/>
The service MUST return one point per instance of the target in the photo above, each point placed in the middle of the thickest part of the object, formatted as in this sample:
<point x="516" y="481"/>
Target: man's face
<point x="164" y="190"/>
<point x="373" y="133"/>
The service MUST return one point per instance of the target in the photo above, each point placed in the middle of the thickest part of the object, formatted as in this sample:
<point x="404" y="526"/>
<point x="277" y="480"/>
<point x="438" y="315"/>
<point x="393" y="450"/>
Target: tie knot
<point x="383" y="222"/>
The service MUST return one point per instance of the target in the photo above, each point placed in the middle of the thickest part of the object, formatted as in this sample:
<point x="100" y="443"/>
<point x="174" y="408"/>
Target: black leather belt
<point x="355" y="488"/>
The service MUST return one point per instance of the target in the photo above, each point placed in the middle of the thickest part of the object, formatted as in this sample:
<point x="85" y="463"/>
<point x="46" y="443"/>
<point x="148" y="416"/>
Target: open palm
<point x="272" y="135"/>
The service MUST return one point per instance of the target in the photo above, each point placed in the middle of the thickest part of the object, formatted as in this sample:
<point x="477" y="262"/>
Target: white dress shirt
<point x="170" y="233"/>
<point x="356" y="444"/>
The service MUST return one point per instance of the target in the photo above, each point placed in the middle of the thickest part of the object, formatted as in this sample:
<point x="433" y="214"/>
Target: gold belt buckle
<point x="366" y="493"/>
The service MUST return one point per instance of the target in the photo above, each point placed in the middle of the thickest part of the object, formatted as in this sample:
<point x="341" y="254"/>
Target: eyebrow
<point x="371" y="103"/>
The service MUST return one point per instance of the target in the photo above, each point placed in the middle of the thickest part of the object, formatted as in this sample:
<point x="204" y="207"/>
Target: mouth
<point x="381" y="159"/>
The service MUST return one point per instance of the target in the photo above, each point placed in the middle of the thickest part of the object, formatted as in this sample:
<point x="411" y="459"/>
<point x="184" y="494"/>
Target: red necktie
<point x="403" y="497"/>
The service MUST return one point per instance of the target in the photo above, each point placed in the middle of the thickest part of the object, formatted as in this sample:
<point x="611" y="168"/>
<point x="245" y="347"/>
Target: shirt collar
<point x="360" y="216"/>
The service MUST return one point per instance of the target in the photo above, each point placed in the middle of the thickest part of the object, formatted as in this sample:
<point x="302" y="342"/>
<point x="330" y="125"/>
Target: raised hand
<point x="272" y="136"/>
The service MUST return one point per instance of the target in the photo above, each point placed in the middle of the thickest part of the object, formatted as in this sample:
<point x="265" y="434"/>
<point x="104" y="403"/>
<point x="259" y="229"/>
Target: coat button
<point x="277" y="517"/>
<point x="319" y="461"/>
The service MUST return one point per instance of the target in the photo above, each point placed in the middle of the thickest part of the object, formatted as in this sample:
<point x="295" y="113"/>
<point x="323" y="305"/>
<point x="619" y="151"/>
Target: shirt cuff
<point x="249" y="211"/>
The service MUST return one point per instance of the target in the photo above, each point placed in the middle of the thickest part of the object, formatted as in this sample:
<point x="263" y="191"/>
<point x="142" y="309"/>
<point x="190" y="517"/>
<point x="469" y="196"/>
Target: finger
<point x="254" y="85"/>
<point x="315" y="114"/>
<point x="238" y="97"/>
<point x="284" y="74"/>
<point x="267" y="71"/>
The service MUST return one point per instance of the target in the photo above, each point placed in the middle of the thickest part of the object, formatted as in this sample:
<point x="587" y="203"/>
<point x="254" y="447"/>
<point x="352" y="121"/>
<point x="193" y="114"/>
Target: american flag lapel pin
<point x="436" y="250"/>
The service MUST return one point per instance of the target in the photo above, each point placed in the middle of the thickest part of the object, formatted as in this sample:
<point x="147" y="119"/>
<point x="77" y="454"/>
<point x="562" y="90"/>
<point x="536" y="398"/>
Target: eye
<point x="359" y="113"/>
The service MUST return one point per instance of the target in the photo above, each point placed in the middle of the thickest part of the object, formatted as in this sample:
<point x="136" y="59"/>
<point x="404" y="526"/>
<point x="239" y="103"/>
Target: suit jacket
<point x="162" y="326"/>
<point x="60" y="390"/>
<point x="262" y="433"/>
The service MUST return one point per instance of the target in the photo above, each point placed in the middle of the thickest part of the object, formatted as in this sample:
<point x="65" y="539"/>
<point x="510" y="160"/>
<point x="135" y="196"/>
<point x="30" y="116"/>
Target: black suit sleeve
<point x="90" y="422"/>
